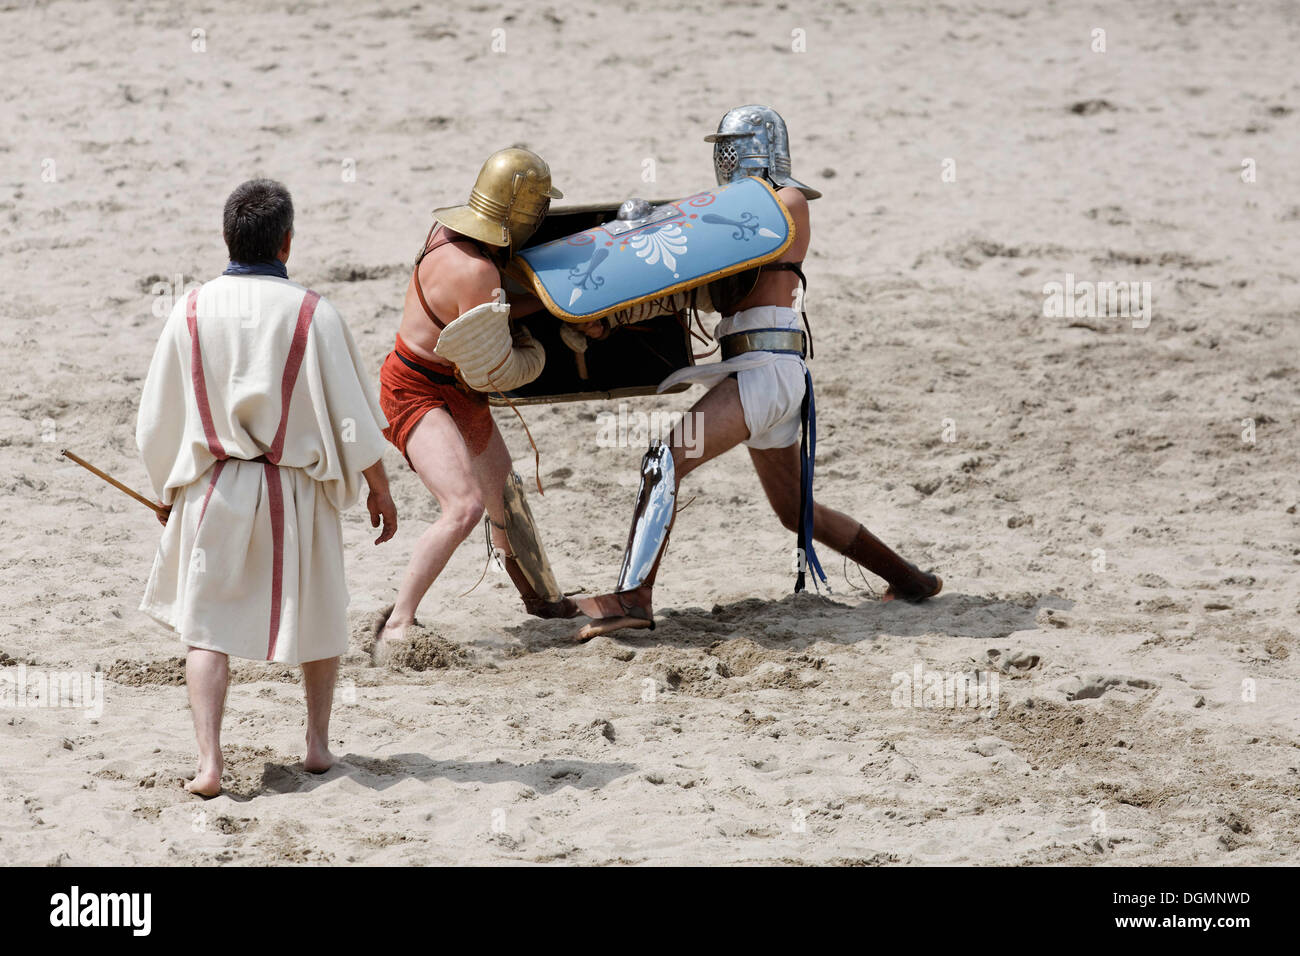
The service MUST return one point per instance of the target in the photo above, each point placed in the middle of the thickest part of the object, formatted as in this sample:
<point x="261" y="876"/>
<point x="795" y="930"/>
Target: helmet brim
<point x="808" y="191"/>
<point x="467" y="222"/>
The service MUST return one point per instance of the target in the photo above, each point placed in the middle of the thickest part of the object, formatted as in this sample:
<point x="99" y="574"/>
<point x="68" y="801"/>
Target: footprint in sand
<point x="1012" y="661"/>
<point x="1090" y="686"/>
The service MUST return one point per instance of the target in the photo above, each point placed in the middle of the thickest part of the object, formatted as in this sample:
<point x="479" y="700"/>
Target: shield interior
<point x="631" y="361"/>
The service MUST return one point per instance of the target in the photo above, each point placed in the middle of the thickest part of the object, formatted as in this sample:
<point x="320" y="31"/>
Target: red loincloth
<point x="406" y="396"/>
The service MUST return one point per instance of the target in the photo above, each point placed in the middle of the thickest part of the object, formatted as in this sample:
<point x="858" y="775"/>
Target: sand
<point x="1117" y="556"/>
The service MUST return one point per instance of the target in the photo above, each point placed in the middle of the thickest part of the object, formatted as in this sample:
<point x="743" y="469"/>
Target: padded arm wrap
<point x="485" y="352"/>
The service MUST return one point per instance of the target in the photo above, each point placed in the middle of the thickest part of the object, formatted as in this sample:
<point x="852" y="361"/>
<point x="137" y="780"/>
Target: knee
<point x="787" y="512"/>
<point x="463" y="516"/>
<point x="789" y="516"/>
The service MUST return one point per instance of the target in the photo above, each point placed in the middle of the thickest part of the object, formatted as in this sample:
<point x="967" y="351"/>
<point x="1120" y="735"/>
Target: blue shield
<point x="678" y="246"/>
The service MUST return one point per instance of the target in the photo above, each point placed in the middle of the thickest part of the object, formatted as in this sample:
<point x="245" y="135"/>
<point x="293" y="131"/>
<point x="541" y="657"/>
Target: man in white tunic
<point x="256" y="425"/>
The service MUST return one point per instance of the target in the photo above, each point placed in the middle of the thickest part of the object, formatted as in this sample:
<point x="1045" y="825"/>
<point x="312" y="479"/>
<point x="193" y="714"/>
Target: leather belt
<point x="790" y="341"/>
<point x="437" y="378"/>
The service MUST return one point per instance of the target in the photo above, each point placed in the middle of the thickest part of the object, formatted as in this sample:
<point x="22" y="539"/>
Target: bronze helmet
<point x="508" y="201"/>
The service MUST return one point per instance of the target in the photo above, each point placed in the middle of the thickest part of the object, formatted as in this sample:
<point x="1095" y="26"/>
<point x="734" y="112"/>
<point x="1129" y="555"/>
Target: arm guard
<point x="485" y="352"/>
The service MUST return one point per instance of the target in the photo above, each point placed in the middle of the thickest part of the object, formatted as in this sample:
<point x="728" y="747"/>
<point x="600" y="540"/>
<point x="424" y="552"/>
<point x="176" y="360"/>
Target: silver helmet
<point x="752" y="141"/>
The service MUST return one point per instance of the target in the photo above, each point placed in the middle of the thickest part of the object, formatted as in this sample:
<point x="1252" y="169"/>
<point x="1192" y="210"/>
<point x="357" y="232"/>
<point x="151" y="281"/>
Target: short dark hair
<point x="258" y="215"/>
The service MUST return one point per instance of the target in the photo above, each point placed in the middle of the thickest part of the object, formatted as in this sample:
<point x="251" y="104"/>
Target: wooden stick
<point x="160" y="510"/>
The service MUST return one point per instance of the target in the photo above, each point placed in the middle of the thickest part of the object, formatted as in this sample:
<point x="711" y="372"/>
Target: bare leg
<point x="489" y="470"/>
<point x="207" y="675"/>
<point x="318" y="679"/>
<point x="442" y="461"/>
<point x="779" y="473"/>
<point x="719" y="421"/>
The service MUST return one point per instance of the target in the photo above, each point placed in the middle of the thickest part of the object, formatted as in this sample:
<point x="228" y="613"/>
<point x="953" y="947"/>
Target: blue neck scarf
<point x="274" y="268"/>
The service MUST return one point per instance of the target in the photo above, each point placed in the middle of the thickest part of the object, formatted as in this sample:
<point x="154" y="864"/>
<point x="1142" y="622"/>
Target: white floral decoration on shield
<point x="667" y="244"/>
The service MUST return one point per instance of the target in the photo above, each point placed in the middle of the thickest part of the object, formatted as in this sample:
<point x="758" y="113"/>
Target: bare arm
<point x="798" y="206"/>
<point x="476" y="282"/>
<point x="379" y="502"/>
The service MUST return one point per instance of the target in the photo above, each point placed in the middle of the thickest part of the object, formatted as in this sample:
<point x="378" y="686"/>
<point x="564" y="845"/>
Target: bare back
<point x="454" y="277"/>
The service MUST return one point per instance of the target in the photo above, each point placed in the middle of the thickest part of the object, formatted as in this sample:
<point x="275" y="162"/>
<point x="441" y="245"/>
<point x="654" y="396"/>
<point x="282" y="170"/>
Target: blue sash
<point x="807" y="458"/>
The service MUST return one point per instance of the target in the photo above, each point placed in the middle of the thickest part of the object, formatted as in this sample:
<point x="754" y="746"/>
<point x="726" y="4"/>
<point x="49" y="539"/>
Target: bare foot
<point x="607" y="625"/>
<point x="616" y="612"/>
<point x="318" y="759"/>
<point x="388" y="634"/>
<point x="206" y="782"/>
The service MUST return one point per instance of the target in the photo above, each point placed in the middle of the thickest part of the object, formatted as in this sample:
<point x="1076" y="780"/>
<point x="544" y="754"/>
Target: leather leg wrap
<point x="534" y="603"/>
<point x="905" y="579"/>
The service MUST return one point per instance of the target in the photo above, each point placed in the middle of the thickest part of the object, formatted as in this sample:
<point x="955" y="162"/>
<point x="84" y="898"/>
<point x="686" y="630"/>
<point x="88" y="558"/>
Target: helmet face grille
<point x="725" y="159"/>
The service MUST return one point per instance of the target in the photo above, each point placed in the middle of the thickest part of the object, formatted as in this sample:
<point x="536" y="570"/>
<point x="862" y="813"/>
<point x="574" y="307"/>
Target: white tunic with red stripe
<point x="257" y="420"/>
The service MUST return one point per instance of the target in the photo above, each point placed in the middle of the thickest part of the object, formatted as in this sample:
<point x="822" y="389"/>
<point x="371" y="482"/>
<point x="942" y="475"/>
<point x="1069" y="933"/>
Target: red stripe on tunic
<point x="275" y="493"/>
<point x="292" y="365"/>
<point x="212" y="484"/>
<point x="196" y="376"/>
<point x="275" y="498"/>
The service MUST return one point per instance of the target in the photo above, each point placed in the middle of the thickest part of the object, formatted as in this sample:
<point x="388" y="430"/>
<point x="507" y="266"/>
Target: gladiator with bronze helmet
<point x="459" y="342"/>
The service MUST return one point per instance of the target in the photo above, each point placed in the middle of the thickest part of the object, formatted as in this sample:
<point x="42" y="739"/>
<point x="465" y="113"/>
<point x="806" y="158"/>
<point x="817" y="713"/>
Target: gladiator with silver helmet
<point x="762" y="380"/>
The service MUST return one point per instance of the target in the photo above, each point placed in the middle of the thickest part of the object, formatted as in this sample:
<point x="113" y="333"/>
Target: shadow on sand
<point x="801" y="619"/>
<point x="379" y="773"/>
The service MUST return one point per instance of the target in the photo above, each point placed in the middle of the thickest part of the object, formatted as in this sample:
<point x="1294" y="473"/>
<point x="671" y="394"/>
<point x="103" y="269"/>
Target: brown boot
<point x="906" y="580"/>
<point x="534" y="603"/>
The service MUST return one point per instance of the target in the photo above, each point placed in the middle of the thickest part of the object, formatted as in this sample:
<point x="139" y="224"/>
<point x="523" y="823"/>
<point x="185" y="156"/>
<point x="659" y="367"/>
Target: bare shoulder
<point x="473" y="266"/>
<point x="457" y="264"/>
<point x="794" y="200"/>
<point x="474" y="279"/>
<point x="797" y="204"/>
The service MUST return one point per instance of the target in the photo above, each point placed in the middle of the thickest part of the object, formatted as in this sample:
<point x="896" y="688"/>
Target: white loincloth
<point x="214" y="578"/>
<point x="771" y="383"/>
